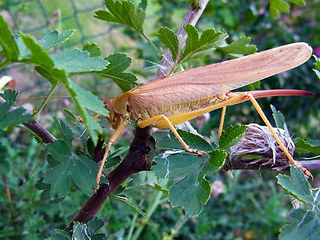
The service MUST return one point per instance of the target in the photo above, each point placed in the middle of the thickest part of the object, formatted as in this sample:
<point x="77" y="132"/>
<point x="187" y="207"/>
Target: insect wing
<point x="214" y="79"/>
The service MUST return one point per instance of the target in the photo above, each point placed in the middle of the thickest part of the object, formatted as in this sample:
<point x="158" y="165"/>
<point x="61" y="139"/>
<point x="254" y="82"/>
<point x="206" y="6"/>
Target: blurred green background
<point x="249" y="205"/>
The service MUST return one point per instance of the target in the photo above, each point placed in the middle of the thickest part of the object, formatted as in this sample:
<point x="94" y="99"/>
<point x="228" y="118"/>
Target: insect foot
<point x="196" y="151"/>
<point x="306" y="172"/>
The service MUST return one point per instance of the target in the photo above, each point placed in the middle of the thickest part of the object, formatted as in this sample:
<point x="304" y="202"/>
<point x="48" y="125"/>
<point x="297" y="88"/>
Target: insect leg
<point x="112" y="139"/>
<point x="163" y="117"/>
<point x="266" y="121"/>
<point x="223" y="114"/>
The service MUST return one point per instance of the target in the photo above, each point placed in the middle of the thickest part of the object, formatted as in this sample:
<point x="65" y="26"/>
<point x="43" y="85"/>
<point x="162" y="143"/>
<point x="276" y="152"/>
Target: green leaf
<point x="317" y="65"/>
<point x="195" y="46"/>
<point x="307" y="146"/>
<point x="238" y="47"/>
<point x="193" y="190"/>
<point x="195" y="3"/>
<point x="296" y="185"/>
<point x="167" y="140"/>
<point x="303" y="224"/>
<point x="80" y="231"/>
<point x="317" y="72"/>
<point x="119" y="62"/>
<point x="94" y="225"/>
<point x="143" y="4"/>
<point x="231" y="136"/>
<point x="84" y="102"/>
<point x="14" y="117"/>
<point x="77" y="61"/>
<point x="7" y="42"/>
<point x="195" y="141"/>
<point x="50" y="40"/>
<point x="60" y="235"/>
<point x="5" y="160"/>
<point x="123" y="12"/>
<point x="93" y="49"/>
<point x="81" y="169"/>
<point x="297" y="2"/>
<point x="54" y="38"/>
<point x="170" y="39"/>
<point x="64" y="130"/>
<point x="279" y="119"/>
<point x="38" y="55"/>
<point x="277" y="7"/>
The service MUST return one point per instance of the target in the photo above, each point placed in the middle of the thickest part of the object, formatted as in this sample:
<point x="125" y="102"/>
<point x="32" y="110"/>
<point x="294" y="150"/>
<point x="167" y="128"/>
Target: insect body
<point x="182" y="96"/>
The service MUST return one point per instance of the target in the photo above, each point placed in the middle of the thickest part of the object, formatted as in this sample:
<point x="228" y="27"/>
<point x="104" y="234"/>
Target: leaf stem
<point x="4" y="63"/>
<point x="53" y="88"/>
<point x="151" y="43"/>
<point x="154" y="203"/>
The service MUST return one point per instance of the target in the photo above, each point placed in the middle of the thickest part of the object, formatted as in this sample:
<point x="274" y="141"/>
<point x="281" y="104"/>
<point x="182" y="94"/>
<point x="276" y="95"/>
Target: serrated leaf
<point x="307" y="146"/>
<point x="60" y="235"/>
<point x="167" y="140"/>
<point x="296" y="185"/>
<point x="15" y="116"/>
<point x="238" y="47"/>
<point x="190" y="193"/>
<point x="38" y="55"/>
<point x="7" y="42"/>
<point x="317" y="63"/>
<point x="93" y="49"/>
<point x="279" y="119"/>
<point x="277" y="7"/>
<point x="94" y="225"/>
<point x="253" y="86"/>
<point x="303" y="224"/>
<point x="54" y="38"/>
<point x="123" y="12"/>
<point x="317" y="72"/>
<point x="196" y="46"/>
<point x="194" y="3"/>
<point x="64" y="130"/>
<point x="80" y="231"/>
<point x="231" y="136"/>
<point x="77" y="61"/>
<point x="84" y="101"/>
<point x="81" y="169"/>
<point x="170" y="39"/>
<point x="193" y="190"/>
<point x="51" y="39"/>
<point x="195" y="141"/>
<point x="215" y="162"/>
<point x="119" y="62"/>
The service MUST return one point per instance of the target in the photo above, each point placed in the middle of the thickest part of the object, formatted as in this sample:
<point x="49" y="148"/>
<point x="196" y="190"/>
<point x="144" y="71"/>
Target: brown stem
<point x="135" y="161"/>
<point x="266" y="164"/>
<point x="192" y="16"/>
<point x="35" y="127"/>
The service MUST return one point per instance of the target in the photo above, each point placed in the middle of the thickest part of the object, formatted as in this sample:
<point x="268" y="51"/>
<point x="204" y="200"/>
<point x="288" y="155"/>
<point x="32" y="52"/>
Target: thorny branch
<point x="35" y="127"/>
<point x="134" y="162"/>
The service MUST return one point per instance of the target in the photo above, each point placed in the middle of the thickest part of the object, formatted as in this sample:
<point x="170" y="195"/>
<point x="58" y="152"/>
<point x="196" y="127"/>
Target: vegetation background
<point x="249" y="205"/>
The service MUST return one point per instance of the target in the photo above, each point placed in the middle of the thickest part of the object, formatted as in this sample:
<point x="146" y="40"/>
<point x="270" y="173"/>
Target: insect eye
<point x="106" y="106"/>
